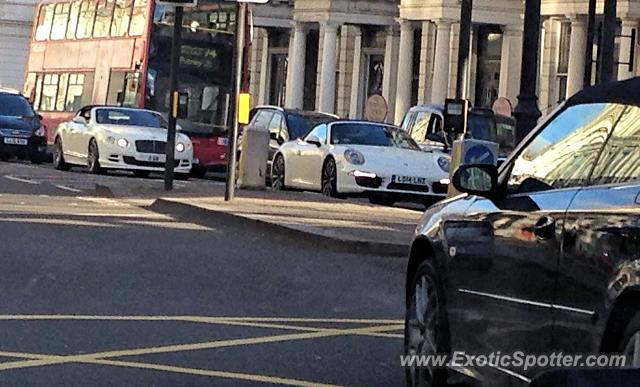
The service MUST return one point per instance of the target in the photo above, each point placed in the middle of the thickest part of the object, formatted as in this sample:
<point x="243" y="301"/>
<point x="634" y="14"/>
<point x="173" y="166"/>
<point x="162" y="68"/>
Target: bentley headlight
<point x="180" y="147"/>
<point x="123" y="143"/>
<point x="443" y="163"/>
<point x="354" y="157"/>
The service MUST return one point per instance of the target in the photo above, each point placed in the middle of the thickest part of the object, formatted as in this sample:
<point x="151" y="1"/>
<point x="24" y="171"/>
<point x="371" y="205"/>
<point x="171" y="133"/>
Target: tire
<point x="426" y="329"/>
<point x="58" y="156"/>
<point x="277" y="174"/>
<point x="329" y="179"/>
<point x="630" y="342"/>
<point x="141" y="174"/>
<point x="381" y="200"/>
<point x="93" y="158"/>
<point x="198" y="172"/>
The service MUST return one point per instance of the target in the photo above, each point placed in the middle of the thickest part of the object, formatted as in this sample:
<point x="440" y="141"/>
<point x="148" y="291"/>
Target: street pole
<point x="608" y="41"/>
<point x="174" y="100"/>
<point x="466" y="7"/>
<point x="591" y="26"/>
<point x="527" y="112"/>
<point x="241" y="19"/>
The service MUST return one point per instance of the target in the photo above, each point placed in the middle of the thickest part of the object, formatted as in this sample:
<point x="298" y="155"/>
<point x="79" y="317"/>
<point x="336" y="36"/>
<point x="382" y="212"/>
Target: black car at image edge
<point x="541" y="255"/>
<point x="21" y="132"/>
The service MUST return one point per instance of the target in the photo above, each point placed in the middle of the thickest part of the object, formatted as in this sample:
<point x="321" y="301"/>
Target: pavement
<point x="101" y="291"/>
<point x="353" y="225"/>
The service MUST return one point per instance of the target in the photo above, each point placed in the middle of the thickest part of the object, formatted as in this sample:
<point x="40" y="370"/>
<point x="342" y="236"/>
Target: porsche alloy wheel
<point x="329" y="179"/>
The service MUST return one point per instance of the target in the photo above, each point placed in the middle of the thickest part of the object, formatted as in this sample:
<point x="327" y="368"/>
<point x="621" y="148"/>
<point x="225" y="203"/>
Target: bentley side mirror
<point x="476" y="179"/>
<point x="79" y="120"/>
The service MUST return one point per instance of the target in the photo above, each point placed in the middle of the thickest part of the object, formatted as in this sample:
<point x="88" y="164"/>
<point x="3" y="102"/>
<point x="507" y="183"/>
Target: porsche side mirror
<point x="476" y="179"/>
<point x="314" y="140"/>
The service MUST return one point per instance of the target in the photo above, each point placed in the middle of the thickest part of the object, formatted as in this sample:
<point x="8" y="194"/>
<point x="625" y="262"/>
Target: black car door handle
<point x="545" y="228"/>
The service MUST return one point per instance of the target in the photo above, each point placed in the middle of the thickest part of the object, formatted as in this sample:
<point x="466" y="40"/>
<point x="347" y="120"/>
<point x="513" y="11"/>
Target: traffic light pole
<point x="608" y="41"/>
<point x="466" y="8"/>
<point x="241" y="19"/>
<point x="174" y="100"/>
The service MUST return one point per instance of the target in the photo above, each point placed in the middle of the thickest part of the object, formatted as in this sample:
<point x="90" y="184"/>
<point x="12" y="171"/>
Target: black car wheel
<point x="58" y="157"/>
<point x="93" y="158"/>
<point x="277" y="173"/>
<point x="630" y="345"/>
<point x="329" y="179"/>
<point x="425" y="331"/>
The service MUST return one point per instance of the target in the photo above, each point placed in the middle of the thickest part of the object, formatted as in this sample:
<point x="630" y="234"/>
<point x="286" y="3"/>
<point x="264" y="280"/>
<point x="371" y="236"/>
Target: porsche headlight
<point x="40" y="132"/>
<point x="443" y="163"/>
<point x="354" y="157"/>
<point x="180" y="147"/>
<point x="122" y="143"/>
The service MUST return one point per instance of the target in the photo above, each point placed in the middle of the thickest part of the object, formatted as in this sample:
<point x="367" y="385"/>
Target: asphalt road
<point x="99" y="292"/>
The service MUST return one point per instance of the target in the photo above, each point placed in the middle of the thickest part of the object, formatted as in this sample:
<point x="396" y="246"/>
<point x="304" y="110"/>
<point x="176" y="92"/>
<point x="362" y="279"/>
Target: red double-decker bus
<point x="117" y="52"/>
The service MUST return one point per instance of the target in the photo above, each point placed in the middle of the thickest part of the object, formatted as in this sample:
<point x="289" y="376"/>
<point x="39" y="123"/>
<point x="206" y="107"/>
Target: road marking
<point x="64" y="187"/>
<point x="21" y="180"/>
<point x="104" y="358"/>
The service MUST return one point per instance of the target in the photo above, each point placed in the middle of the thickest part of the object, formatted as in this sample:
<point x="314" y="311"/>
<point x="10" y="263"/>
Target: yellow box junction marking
<point x="378" y="328"/>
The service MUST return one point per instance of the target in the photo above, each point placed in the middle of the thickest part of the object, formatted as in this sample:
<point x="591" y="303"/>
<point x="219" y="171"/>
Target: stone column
<point x="390" y="76"/>
<point x="578" y="47"/>
<point x="405" y="70"/>
<point x="355" y="106"/>
<point x="265" y="66"/>
<point x="510" y="63"/>
<point x="624" y="72"/>
<point x="297" y="59"/>
<point x="441" y="67"/>
<point x="328" y="71"/>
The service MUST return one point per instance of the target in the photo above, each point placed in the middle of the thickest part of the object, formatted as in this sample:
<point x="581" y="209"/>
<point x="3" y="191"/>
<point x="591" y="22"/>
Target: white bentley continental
<point x="114" y="138"/>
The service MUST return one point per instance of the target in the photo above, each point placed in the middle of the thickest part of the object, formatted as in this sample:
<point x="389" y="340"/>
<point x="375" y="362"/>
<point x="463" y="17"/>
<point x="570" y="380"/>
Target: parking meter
<point x="456" y="115"/>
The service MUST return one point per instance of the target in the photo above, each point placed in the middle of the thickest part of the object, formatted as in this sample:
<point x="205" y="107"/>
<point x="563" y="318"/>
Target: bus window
<point x="62" y="92"/>
<point x="87" y="16"/>
<point x="60" y="20"/>
<point x="49" y="92"/>
<point x="45" y="20"/>
<point x="79" y="92"/>
<point x="38" y="92"/>
<point x="104" y="14"/>
<point x="121" y="17"/>
<point x="138" y="19"/>
<point x="74" y="13"/>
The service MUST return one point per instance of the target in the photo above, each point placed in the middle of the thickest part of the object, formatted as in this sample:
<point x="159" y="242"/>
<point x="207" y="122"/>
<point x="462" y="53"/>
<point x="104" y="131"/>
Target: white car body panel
<point x="75" y="139"/>
<point x="304" y="163"/>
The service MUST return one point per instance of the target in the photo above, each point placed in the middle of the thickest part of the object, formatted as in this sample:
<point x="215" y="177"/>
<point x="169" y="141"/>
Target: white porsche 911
<point x="345" y="158"/>
<point x="104" y="137"/>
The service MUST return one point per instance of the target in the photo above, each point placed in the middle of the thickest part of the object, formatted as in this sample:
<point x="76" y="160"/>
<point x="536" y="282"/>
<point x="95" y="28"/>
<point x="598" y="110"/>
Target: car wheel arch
<point x="421" y="250"/>
<point x="624" y="308"/>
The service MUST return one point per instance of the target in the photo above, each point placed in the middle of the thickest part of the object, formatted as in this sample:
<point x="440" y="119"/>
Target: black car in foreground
<point x="540" y="256"/>
<point x="21" y="133"/>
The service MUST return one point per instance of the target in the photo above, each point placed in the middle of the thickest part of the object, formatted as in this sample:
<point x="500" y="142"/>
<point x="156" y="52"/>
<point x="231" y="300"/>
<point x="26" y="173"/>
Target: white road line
<point x="20" y="180"/>
<point x="64" y="187"/>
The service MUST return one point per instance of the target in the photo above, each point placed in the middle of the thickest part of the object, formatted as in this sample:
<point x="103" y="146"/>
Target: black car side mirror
<point x="314" y="140"/>
<point x="435" y="137"/>
<point x="476" y="179"/>
<point x="40" y="117"/>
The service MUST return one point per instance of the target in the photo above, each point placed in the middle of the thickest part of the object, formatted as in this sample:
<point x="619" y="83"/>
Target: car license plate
<point x="410" y="180"/>
<point x="156" y="158"/>
<point x="15" y="141"/>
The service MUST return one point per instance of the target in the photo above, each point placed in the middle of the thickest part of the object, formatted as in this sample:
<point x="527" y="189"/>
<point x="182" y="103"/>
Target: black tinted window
<point x="372" y="135"/>
<point x="299" y="125"/>
<point x="620" y="160"/>
<point x="564" y="153"/>
<point x="15" y="106"/>
<point x="130" y="118"/>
